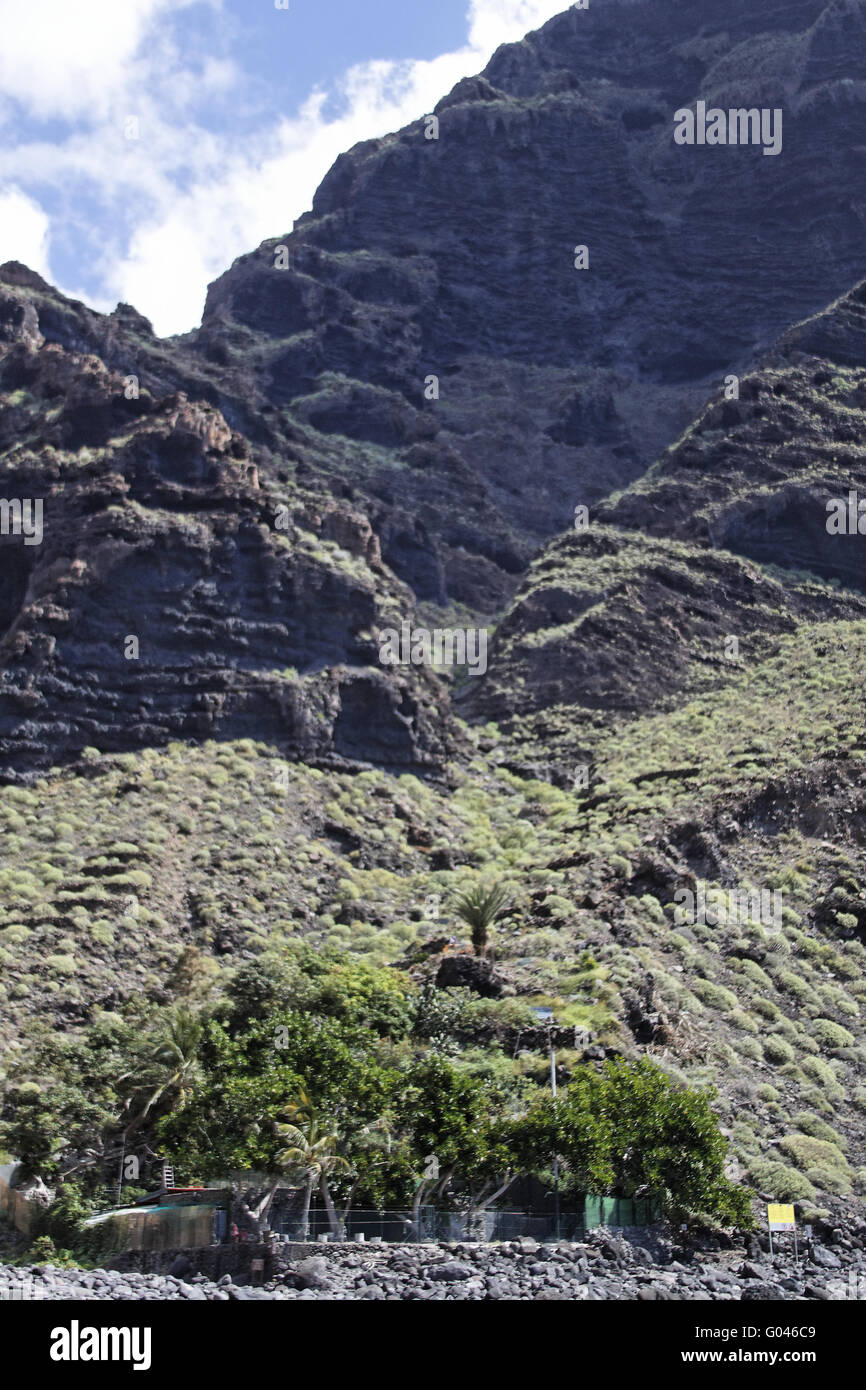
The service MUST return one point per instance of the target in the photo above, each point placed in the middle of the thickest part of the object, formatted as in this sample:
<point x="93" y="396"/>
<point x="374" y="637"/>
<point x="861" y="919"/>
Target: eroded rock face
<point x="613" y="623"/>
<point x="454" y="258"/>
<point x="769" y="474"/>
<point x="168" y="595"/>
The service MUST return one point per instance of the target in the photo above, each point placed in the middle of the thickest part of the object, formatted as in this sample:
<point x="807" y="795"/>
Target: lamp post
<point x="545" y="1015"/>
<point x="556" y="1156"/>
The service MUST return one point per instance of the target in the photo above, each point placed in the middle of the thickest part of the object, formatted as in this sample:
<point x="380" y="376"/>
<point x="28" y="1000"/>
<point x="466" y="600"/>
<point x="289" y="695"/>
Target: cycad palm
<point x="479" y="909"/>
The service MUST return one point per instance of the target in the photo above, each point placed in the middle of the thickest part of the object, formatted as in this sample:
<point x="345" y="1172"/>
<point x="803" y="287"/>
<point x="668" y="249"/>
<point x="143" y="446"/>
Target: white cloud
<point x="503" y="21"/>
<point x="24" y="230"/>
<point x="199" y="198"/>
<point x="69" y="57"/>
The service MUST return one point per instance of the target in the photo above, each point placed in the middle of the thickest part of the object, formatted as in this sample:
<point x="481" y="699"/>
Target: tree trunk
<point x="333" y="1219"/>
<point x="478" y="1205"/>
<point x="418" y="1198"/>
<point x="348" y="1206"/>
<point x="263" y="1209"/>
<point x="256" y="1213"/>
<point x="305" y="1209"/>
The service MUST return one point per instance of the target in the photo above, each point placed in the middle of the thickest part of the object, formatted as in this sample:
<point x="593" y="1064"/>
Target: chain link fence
<point x="435" y="1225"/>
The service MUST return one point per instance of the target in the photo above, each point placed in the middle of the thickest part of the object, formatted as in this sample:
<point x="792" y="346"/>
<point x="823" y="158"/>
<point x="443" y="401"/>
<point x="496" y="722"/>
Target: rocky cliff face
<point x="422" y="372"/>
<point x="454" y="258"/>
<point x="169" y="594"/>
<point x="766" y="474"/>
<point x="745" y="529"/>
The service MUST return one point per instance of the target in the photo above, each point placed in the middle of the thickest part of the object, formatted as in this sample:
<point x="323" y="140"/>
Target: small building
<point x="191" y="1216"/>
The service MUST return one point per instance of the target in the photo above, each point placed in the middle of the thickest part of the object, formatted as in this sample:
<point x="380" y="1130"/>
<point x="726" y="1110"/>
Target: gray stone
<point x="450" y="1271"/>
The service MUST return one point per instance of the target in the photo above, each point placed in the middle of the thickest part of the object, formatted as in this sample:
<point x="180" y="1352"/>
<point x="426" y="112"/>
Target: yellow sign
<point x="781" y="1218"/>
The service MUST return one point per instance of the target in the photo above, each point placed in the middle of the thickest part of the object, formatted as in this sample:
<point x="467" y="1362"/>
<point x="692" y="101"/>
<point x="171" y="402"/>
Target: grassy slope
<point x="113" y="871"/>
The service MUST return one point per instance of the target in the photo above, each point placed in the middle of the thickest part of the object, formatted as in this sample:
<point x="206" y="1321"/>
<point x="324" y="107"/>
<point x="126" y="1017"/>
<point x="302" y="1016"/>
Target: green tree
<point x="170" y="1072"/>
<point x="629" y="1130"/>
<point x="667" y="1144"/>
<point x="61" y="1108"/>
<point x="231" y="1123"/>
<point x="311" y="1150"/>
<point x="323" y="983"/>
<point x="479" y="908"/>
<point x="454" y="1119"/>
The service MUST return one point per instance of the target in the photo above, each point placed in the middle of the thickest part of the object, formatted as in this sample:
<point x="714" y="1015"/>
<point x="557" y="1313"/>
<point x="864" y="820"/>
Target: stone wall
<point x="237" y="1259"/>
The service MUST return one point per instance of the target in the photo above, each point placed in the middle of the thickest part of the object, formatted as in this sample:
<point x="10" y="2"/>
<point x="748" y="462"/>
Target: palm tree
<point x="171" y="1070"/>
<point x="311" y="1150"/>
<point x="479" y="909"/>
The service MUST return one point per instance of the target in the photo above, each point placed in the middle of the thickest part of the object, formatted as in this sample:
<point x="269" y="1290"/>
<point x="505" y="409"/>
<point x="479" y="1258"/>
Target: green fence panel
<point x="620" y="1211"/>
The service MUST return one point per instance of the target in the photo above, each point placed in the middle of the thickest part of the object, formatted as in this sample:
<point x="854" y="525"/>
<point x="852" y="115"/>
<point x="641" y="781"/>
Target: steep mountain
<point x="454" y="258"/>
<point x="204" y="758"/>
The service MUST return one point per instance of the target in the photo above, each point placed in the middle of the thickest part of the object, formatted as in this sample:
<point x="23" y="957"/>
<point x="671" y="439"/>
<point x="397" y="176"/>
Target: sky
<point x="144" y="144"/>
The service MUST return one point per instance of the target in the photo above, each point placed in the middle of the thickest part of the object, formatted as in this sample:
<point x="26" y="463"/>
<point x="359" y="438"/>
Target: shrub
<point x="782" y="1183"/>
<point x="61" y="965"/>
<point x="768" y="1093"/>
<point x="817" y="1128"/>
<point x="819" y="1070"/>
<point x="766" y="1008"/>
<point x="831" y="1035"/>
<point x="795" y="985"/>
<point x="777" y="1051"/>
<point x="830" y="1180"/>
<point x="14" y="936"/>
<point x="43" y="1251"/>
<point x="716" y="996"/>
<point x="807" y="1152"/>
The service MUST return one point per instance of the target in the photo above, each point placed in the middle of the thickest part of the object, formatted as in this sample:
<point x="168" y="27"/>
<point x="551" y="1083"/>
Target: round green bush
<point x="777" y="1051"/>
<point x="831" y="1035"/>
<point x="783" y="1183"/>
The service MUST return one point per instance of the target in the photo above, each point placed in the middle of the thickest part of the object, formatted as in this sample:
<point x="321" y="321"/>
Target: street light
<point x="545" y="1015"/>
<point x="555" y="1156"/>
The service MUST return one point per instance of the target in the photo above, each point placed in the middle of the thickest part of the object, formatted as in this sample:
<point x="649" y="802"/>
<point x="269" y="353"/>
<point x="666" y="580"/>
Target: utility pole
<point x="553" y="1093"/>
<point x="122" y="1155"/>
<point x="120" y="1174"/>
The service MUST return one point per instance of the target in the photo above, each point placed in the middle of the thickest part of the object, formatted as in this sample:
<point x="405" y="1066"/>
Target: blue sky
<point x="144" y="144"/>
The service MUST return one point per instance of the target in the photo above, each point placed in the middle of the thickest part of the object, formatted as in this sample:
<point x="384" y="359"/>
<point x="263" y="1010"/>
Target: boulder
<point x="469" y="972"/>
